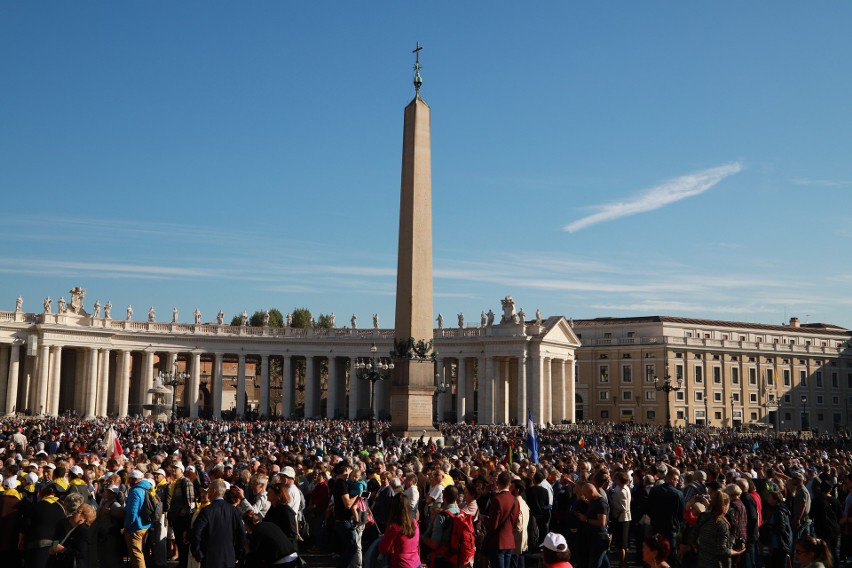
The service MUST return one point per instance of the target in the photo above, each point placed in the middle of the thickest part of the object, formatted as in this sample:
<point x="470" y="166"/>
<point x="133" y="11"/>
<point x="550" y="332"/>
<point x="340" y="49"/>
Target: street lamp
<point x="733" y="400"/>
<point x="173" y="378"/>
<point x="667" y="387"/>
<point x="373" y="370"/>
<point x="440" y="388"/>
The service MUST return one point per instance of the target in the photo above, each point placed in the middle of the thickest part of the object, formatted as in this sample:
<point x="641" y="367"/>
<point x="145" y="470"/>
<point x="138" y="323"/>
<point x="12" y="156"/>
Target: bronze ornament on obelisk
<point x="413" y="384"/>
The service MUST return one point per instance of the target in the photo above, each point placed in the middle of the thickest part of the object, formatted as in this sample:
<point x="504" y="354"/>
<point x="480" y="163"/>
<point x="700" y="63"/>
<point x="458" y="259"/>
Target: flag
<point x="755" y="446"/>
<point x="531" y="439"/>
<point x="111" y="444"/>
<point x="582" y="442"/>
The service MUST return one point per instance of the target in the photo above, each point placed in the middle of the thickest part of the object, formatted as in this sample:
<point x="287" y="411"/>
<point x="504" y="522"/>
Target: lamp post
<point x="733" y="400"/>
<point x="373" y="370"/>
<point x="667" y="387"/>
<point x="440" y="388"/>
<point x="173" y="379"/>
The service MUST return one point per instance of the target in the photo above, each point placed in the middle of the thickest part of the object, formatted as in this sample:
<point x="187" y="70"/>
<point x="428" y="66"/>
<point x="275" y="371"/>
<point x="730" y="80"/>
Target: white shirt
<point x="413" y="497"/>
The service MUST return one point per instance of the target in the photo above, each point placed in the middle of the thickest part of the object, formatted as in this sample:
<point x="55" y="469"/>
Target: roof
<point x="814" y="328"/>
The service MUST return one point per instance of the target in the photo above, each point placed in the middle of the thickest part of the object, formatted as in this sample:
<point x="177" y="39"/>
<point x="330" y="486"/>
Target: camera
<point x="739" y="544"/>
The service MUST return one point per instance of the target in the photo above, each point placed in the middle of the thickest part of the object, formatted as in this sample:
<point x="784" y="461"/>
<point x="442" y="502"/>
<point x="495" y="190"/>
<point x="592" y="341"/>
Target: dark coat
<point x="218" y="537"/>
<point x="665" y="507"/>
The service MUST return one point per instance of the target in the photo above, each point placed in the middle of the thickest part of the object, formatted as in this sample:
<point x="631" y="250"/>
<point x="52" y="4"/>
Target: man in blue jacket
<point x="217" y="537"/>
<point x="134" y="528"/>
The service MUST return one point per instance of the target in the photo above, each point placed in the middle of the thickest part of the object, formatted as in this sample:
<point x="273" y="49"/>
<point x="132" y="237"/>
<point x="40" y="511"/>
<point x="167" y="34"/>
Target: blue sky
<point x="590" y="159"/>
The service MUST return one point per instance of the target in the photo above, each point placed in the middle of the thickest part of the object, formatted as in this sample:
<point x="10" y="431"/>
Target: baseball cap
<point x="136" y="474"/>
<point x="555" y="542"/>
<point x="31" y="478"/>
<point x="10" y="482"/>
<point x="190" y="468"/>
<point x="289" y="472"/>
<point x="160" y="472"/>
<point x="76" y="470"/>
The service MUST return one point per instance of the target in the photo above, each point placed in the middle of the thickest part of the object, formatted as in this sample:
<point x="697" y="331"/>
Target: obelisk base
<point x="412" y="396"/>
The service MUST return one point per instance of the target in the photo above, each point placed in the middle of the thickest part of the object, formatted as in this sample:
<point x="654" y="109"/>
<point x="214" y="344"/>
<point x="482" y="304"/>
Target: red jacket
<point x="503" y="515"/>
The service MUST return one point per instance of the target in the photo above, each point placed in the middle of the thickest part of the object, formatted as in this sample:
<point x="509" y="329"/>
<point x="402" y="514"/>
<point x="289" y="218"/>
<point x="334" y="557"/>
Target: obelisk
<point x="413" y="384"/>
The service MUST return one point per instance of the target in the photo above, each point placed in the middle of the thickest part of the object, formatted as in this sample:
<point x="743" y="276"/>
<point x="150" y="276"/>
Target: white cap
<point x="160" y="472"/>
<point x="51" y="465"/>
<point x="31" y="478"/>
<point x="10" y="482"/>
<point x="289" y="472"/>
<point x="136" y="474"/>
<point x="190" y="468"/>
<point x="555" y="542"/>
<point x="179" y="465"/>
<point x="76" y="470"/>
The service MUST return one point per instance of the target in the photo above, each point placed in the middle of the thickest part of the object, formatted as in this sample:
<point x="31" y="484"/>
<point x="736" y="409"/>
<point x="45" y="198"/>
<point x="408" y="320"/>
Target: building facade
<point x="53" y="363"/>
<point x="788" y="377"/>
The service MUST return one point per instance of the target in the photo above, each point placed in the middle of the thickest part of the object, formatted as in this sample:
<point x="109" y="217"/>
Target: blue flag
<point x="755" y="447"/>
<point x="531" y="441"/>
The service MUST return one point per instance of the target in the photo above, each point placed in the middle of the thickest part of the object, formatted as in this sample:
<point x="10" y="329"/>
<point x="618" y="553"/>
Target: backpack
<point x="148" y="511"/>
<point x="462" y="546"/>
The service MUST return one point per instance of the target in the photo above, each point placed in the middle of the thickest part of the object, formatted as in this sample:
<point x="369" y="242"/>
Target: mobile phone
<point x="365" y="495"/>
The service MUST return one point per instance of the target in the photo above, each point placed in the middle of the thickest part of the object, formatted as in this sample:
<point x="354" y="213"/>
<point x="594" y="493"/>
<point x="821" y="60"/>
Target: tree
<point x="301" y="317"/>
<point x="275" y="318"/>
<point x="324" y="321"/>
<point x="236" y="321"/>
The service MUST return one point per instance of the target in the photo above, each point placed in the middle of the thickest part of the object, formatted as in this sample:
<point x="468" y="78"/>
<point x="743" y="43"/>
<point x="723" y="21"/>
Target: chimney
<point x="794" y="322"/>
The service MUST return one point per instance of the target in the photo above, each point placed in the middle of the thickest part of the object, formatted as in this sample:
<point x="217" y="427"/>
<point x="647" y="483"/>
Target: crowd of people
<point x="220" y="494"/>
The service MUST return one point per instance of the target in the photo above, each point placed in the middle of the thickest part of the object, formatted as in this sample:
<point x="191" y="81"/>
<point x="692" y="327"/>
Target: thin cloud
<point x="659" y="196"/>
<point x="823" y="182"/>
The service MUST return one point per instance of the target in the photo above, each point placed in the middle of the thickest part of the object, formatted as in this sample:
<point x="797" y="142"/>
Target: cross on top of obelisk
<point x="418" y="80"/>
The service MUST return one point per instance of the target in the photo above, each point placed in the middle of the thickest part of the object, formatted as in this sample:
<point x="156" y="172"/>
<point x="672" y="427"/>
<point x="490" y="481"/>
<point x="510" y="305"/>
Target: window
<point x="697" y="356"/>
<point x="604" y="413"/>
<point x="651" y="395"/>
<point x="820" y="399"/>
<point x="603" y="395"/>
<point x="752" y="376"/>
<point x="649" y="373"/>
<point x="604" y="373"/>
<point x="651" y="414"/>
<point x="835" y="380"/>
<point x="678" y="355"/>
<point x="754" y="416"/>
<point x="787" y="416"/>
<point x="626" y="356"/>
<point x="627" y="395"/>
<point x="679" y="414"/>
<point x="607" y="335"/>
<point x="717" y="375"/>
<point x="735" y="375"/>
<point x="836" y="417"/>
<point x="699" y="396"/>
<point x="736" y="396"/>
<point x="786" y="376"/>
<point x="631" y="334"/>
<point x="770" y="377"/>
<point x="835" y="400"/>
<point x="715" y="356"/>
<point x="603" y="356"/>
<point x="680" y="396"/>
<point x="699" y="374"/>
<point x="849" y="380"/>
<point x="787" y="399"/>
<point x="820" y="417"/>
<point x="718" y="415"/>
<point x="678" y="372"/>
<point x="752" y="397"/>
<point x="819" y="379"/>
<point x="717" y="396"/>
<point x="626" y="374"/>
<point x="803" y="378"/>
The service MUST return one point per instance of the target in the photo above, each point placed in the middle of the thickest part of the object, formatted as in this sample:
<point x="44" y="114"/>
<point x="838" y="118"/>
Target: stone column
<point x="311" y="390"/>
<point x="521" y="394"/>
<point x="40" y="404"/>
<point x="147" y="380"/>
<point x="559" y="388"/>
<point x="571" y="392"/>
<point x="537" y="391"/>
<point x="486" y="390"/>
<point x="216" y="386"/>
<point x="461" y="390"/>
<point x="548" y="393"/>
<point x="241" y="384"/>
<point x="123" y="386"/>
<point x="264" y="385"/>
<point x="4" y="373"/>
<point x="287" y="389"/>
<point x="354" y="389"/>
<point x="12" y="381"/>
<point x="331" y="405"/>
<point x="194" y="385"/>
<point x="103" y="395"/>
<point x="92" y="382"/>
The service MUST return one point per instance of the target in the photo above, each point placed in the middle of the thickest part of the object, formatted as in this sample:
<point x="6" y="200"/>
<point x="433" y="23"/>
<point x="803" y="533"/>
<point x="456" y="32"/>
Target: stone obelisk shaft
<point x="413" y="380"/>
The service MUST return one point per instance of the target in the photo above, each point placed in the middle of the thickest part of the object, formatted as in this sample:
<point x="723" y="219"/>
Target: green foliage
<point x="236" y="321"/>
<point x="324" y="321"/>
<point x="301" y="317"/>
<point x="275" y="318"/>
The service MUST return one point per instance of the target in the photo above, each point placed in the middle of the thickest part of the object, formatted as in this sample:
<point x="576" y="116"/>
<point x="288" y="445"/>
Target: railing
<point x="761" y="346"/>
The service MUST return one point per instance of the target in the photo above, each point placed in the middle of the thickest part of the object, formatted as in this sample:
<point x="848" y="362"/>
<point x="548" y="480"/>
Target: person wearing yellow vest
<point x="40" y="526"/>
